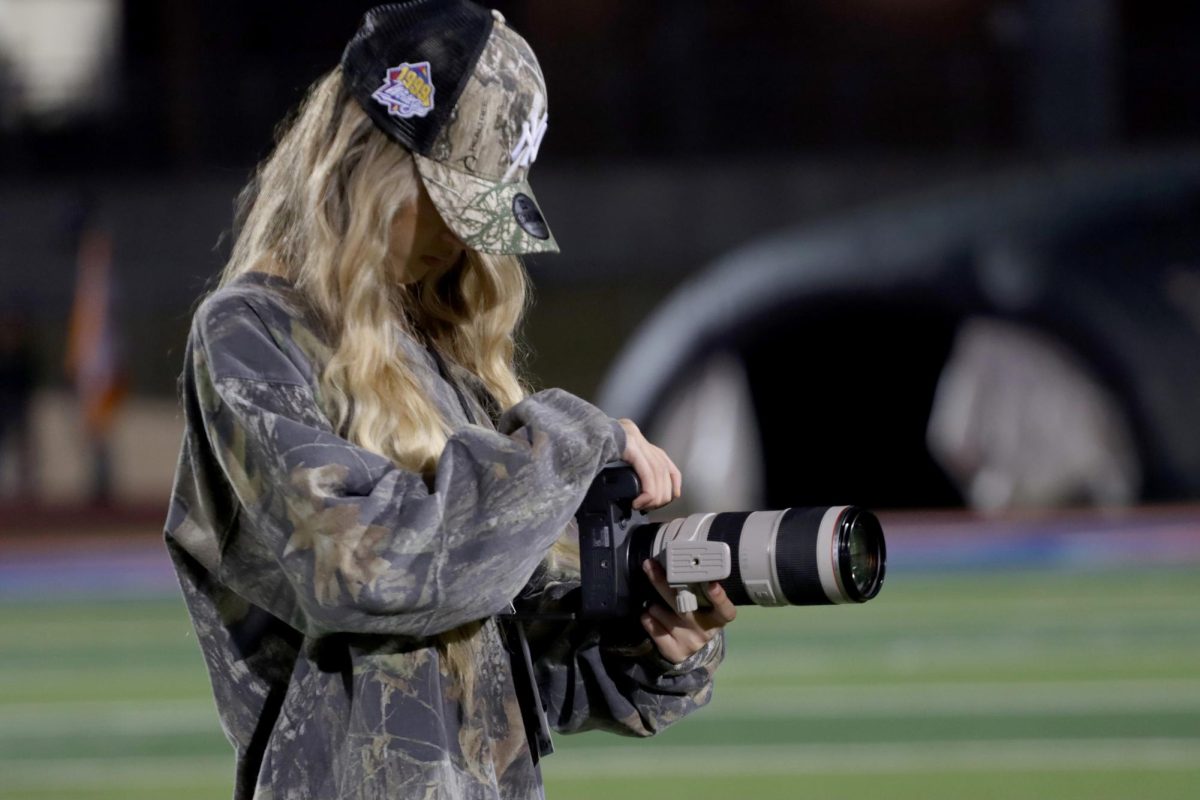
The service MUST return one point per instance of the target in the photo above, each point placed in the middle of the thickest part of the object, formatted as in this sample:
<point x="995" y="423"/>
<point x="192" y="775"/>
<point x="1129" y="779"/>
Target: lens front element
<point x="862" y="554"/>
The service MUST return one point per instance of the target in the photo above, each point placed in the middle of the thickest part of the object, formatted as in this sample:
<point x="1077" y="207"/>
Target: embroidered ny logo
<point x="524" y="154"/>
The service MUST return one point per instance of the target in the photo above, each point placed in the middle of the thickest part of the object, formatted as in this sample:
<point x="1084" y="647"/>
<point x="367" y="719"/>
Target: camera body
<point x="606" y="519"/>
<point x="797" y="556"/>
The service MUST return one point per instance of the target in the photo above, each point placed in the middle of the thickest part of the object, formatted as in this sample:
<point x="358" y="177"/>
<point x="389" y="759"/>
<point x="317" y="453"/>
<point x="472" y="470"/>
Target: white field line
<point x="995" y="698"/>
<point x="1054" y="755"/>
<point x="145" y="718"/>
<point x="914" y="656"/>
<point x="1011" y="755"/>
<point x="990" y="606"/>
<point x="142" y="718"/>
<point x="95" y="773"/>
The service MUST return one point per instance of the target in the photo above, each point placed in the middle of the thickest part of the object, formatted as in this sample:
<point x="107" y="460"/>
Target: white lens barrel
<point x="756" y="557"/>
<point x="827" y="555"/>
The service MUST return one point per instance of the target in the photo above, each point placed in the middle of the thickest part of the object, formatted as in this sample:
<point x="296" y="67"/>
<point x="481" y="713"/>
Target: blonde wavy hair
<point x="318" y="212"/>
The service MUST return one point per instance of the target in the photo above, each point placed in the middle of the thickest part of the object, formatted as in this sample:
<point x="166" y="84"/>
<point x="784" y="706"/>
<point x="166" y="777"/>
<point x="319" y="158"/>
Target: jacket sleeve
<point x="363" y="545"/>
<point x="608" y="675"/>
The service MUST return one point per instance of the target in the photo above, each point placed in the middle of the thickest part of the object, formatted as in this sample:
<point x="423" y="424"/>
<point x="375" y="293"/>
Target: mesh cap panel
<point x="448" y="35"/>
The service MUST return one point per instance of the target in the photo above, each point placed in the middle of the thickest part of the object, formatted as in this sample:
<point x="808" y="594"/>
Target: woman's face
<point x="420" y="240"/>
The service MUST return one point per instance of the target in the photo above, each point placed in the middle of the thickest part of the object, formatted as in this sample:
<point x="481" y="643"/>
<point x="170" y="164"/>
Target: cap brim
<point x="488" y="216"/>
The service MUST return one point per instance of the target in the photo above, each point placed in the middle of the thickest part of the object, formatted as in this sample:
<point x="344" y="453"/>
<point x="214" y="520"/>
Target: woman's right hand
<point x="660" y="478"/>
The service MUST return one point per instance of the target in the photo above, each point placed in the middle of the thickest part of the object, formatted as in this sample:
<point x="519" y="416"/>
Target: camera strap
<point x="537" y="729"/>
<point x="448" y="378"/>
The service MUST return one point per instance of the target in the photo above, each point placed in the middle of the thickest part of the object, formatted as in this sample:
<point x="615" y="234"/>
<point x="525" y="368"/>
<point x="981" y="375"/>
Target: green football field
<point x="1003" y="684"/>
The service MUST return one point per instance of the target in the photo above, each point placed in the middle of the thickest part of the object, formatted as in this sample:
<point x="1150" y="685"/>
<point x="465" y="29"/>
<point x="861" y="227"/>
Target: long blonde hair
<point x="318" y="212"/>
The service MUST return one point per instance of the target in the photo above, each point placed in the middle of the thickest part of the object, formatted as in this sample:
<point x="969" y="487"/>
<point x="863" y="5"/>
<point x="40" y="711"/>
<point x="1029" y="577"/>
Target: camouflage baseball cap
<point x="460" y="89"/>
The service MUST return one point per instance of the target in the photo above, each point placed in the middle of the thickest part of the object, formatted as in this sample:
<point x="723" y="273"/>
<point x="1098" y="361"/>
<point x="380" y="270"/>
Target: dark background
<point x="743" y="116"/>
<point x="200" y="85"/>
<point x="678" y="129"/>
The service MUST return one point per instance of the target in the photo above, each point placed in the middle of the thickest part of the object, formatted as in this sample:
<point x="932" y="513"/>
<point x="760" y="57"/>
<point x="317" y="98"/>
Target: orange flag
<point x="93" y="361"/>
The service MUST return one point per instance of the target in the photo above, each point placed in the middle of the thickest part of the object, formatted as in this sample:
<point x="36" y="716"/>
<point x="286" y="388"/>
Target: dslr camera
<point x="797" y="556"/>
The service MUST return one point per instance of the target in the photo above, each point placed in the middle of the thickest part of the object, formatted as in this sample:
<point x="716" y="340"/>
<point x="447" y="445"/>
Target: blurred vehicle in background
<point x="1027" y="340"/>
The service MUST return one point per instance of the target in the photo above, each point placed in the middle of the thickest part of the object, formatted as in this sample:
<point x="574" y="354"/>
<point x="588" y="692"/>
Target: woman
<point x="364" y="484"/>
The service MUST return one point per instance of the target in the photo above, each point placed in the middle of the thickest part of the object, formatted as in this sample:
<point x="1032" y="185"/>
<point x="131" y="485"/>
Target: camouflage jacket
<point x="317" y="572"/>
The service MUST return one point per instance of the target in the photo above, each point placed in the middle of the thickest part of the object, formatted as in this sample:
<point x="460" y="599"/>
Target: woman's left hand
<point x="676" y="635"/>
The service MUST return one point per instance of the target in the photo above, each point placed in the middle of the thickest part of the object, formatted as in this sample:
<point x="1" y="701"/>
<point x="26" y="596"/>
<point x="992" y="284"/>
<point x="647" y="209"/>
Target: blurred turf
<point x="999" y="685"/>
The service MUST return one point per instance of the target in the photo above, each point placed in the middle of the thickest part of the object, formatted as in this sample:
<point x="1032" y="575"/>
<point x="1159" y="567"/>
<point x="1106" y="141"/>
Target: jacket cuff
<point x="697" y="660"/>
<point x="619" y="437"/>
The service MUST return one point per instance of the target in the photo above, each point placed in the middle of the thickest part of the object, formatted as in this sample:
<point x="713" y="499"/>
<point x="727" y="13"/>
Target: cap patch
<point x="407" y="90"/>
<point x="529" y="217"/>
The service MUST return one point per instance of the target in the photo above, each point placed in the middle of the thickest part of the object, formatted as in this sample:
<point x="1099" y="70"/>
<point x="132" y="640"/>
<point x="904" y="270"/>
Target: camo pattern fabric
<point x="316" y="573"/>
<point x="471" y="172"/>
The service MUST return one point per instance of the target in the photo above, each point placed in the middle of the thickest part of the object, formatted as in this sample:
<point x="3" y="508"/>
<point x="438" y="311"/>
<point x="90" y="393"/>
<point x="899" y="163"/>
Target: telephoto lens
<point x="793" y="557"/>
<point x="797" y="556"/>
